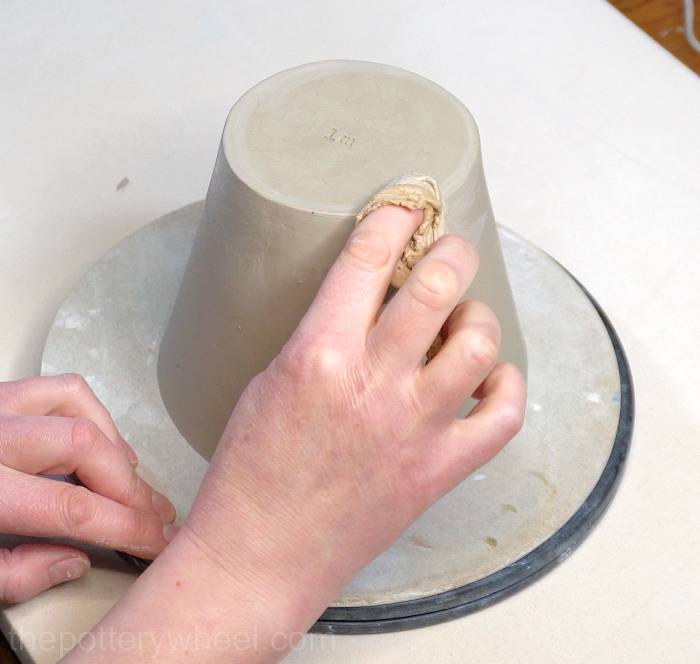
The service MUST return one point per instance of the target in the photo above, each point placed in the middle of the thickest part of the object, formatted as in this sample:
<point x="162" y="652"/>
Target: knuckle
<point x="510" y="418"/>
<point x="130" y="490"/>
<point x="327" y="360"/>
<point x="73" y="383"/>
<point x="368" y="249"/>
<point x="85" y="436"/>
<point x="310" y="358"/>
<point x="436" y="284"/>
<point x="513" y="375"/>
<point x="481" y="345"/>
<point x="139" y="528"/>
<point x="76" y="508"/>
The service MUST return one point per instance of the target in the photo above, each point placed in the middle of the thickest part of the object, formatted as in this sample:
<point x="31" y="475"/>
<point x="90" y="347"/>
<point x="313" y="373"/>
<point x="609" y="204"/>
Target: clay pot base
<point x="504" y="526"/>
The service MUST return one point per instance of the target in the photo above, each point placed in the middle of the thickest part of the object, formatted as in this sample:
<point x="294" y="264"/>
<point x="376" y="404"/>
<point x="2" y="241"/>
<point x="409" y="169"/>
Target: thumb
<point x="29" y="569"/>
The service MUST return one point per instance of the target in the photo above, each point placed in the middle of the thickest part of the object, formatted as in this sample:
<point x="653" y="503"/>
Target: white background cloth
<point x="591" y="141"/>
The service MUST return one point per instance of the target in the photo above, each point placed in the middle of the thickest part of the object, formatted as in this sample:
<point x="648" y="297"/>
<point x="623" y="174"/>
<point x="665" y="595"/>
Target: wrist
<point x="277" y="528"/>
<point x="276" y="568"/>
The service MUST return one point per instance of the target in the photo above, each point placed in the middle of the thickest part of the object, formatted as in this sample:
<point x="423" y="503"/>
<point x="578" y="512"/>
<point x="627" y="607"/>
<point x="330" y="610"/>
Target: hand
<point x="55" y="426"/>
<point x="330" y="454"/>
<point x="347" y="437"/>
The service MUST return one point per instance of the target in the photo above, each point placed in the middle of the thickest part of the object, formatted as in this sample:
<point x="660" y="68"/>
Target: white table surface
<point x="591" y="138"/>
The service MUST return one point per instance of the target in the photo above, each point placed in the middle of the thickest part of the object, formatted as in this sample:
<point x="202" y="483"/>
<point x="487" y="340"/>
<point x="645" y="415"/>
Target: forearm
<point x="190" y="606"/>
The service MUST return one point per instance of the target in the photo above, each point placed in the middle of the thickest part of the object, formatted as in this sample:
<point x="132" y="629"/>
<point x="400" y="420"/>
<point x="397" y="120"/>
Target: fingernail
<point x="67" y="570"/>
<point x="163" y="507"/>
<point x="169" y="532"/>
<point x="131" y="454"/>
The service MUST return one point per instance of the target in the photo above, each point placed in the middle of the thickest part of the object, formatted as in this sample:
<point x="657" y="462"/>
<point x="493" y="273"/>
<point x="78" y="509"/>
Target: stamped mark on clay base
<point x="336" y="136"/>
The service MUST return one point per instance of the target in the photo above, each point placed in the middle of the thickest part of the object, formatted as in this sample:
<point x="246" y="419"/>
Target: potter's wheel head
<point x="170" y="326"/>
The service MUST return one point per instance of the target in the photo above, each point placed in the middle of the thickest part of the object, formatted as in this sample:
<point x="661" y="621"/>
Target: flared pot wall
<point x="300" y="154"/>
